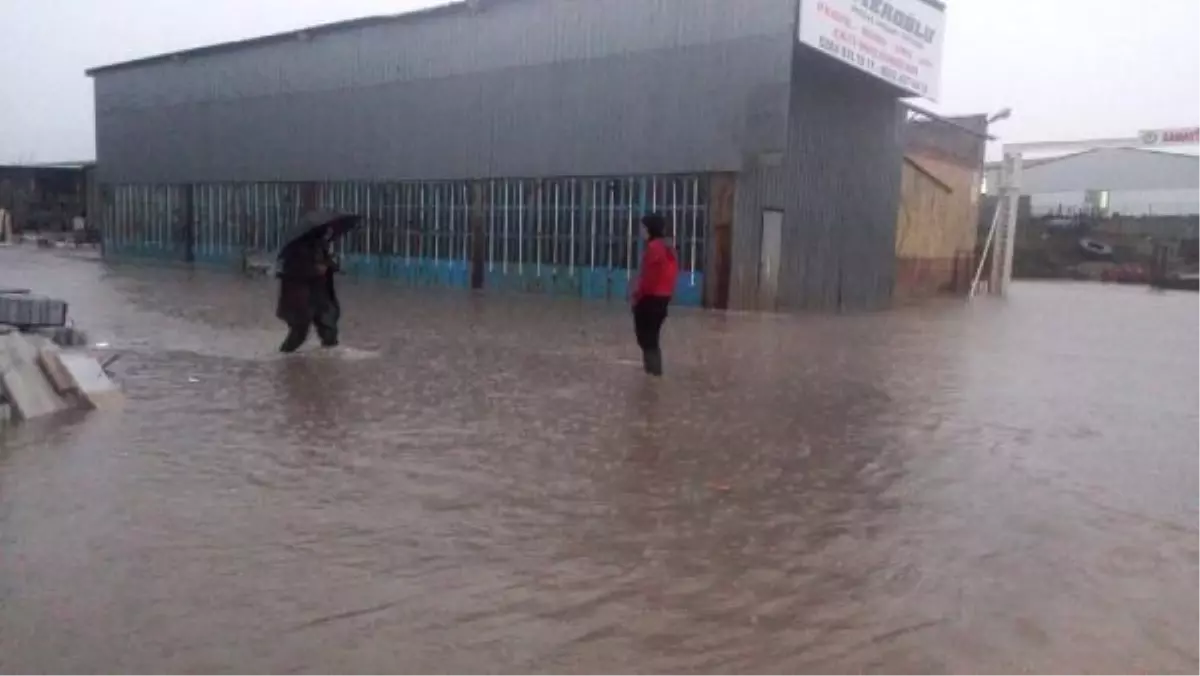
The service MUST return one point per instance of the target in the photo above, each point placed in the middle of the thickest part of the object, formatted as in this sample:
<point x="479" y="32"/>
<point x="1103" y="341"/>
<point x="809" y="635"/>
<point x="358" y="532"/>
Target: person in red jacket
<point x="653" y="291"/>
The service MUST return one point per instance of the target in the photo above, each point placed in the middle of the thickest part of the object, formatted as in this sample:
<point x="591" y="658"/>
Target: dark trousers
<point x="648" y="316"/>
<point x="298" y="333"/>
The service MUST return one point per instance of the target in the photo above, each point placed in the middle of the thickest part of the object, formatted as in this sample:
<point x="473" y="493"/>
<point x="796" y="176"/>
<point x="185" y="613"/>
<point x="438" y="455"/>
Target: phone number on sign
<point x="847" y="53"/>
<point x="853" y="56"/>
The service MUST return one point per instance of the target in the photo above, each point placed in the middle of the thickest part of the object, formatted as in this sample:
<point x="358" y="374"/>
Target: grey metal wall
<point x="523" y="88"/>
<point x="838" y="184"/>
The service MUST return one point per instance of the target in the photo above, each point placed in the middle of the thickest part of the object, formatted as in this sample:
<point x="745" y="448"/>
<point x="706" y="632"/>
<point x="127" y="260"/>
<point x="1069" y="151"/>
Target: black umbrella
<point x="315" y="225"/>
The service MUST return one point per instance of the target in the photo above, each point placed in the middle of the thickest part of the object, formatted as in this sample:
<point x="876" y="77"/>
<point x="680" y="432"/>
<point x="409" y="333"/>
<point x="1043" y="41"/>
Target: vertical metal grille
<point x="573" y="236"/>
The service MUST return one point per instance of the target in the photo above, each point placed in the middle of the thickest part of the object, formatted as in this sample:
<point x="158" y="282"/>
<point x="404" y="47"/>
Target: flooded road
<point x="490" y="484"/>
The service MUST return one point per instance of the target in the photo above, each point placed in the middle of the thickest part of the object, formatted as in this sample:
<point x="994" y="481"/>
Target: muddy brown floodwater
<point x="487" y="483"/>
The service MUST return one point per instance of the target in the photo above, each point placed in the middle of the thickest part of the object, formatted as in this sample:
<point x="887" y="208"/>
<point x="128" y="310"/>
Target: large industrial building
<point x="45" y="197"/>
<point x="1128" y="181"/>
<point x="515" y="143"/>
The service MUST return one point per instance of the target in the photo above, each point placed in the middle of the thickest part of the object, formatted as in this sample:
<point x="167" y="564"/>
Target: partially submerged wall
<point x="936" y="231"/>
<point x="837" y="184"/>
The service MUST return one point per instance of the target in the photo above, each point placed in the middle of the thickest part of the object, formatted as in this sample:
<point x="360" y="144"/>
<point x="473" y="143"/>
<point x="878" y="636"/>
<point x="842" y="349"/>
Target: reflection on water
<point x="487" y="483"/>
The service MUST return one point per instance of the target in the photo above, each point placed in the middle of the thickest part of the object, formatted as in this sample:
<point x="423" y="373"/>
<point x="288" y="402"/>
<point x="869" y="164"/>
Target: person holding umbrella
<point x="653" y="291"/>
<point x="306" y="291"/>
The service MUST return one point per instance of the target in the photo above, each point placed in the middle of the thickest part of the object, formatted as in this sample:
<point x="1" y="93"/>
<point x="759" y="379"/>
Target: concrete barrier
<point x="40" y="372"/>
<point x="29" y="310"/>
<point x="23" y="382"/>
<point x="89" y="380"/>
<point x="38" y="378"/>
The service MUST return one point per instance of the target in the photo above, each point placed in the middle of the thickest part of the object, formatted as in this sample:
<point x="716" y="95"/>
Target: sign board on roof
<point x="1184" y="136"/>
<point x="898" y="41"/>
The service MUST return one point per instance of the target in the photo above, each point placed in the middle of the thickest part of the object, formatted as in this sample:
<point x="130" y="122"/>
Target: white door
<point x="768" y="262"/>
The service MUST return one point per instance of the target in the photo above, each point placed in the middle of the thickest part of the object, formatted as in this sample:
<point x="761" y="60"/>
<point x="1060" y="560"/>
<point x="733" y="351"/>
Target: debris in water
<point x="38" y="378"/>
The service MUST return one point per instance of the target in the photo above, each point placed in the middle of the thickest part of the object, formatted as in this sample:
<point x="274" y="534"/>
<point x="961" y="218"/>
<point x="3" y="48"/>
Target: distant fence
<point x="1140" y="210"/>
<point x="568" y="236"/>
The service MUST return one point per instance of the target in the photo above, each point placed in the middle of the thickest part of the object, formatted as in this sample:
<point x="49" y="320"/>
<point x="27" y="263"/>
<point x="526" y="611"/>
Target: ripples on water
<point x="488" y="483"/>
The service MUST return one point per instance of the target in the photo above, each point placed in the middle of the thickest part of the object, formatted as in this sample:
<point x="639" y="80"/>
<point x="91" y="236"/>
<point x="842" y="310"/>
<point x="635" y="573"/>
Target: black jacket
<point x="306" y="293"/>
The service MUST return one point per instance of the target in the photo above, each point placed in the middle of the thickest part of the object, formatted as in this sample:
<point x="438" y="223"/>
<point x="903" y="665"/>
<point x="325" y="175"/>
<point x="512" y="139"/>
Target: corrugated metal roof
<point x="452" y="8"/>
<point x="962" y="140"/>
<point x="1042" y="161"/>
<point x="1029" y="163"/>
<point x="1039" y="161"/>
<point x="1112" y="169"/>
<point x="448" y="9"/>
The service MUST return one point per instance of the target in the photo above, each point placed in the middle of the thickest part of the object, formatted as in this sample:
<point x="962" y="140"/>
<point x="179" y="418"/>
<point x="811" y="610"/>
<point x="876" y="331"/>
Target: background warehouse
<point x="514" y="143"/>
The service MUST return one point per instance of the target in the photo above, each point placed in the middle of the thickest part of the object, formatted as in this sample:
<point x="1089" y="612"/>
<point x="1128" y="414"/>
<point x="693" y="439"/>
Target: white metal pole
<point x="1012" y="203"/>
<point x="989" y="245"/>
<point x="996" y="276"/>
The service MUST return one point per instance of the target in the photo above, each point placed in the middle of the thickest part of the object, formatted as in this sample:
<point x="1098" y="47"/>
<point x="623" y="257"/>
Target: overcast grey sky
<point x="1069" y="68"/>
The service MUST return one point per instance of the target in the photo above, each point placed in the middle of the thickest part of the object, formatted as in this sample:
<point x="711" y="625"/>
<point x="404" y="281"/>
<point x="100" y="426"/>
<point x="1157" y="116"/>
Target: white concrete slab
<point x="22" y="381"/>
<point x="56" y="373"/>
<point x="90" y="380"/>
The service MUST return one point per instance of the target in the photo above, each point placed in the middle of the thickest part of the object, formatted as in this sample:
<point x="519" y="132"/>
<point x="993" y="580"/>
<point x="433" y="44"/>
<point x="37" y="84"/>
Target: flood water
<point x="487" y="483"/>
